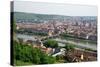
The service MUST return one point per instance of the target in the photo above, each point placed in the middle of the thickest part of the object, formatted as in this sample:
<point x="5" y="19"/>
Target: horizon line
<point x="51" y="14"/>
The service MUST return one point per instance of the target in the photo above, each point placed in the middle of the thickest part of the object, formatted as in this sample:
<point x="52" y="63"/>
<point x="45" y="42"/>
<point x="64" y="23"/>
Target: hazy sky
<point x="54" y="8"/>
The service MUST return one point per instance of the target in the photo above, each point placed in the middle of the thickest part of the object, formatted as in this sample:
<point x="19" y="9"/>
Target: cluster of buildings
<point x="87" y="30"/>
<point x="80" y="55"/>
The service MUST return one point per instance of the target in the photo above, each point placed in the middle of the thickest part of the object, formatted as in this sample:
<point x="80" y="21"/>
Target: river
<point x="61" y="42"/>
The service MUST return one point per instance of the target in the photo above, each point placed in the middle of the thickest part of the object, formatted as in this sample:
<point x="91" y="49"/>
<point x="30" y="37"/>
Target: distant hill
<point x="32" y="17"/>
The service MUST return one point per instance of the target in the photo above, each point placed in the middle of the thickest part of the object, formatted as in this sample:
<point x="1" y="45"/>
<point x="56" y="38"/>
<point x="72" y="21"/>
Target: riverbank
<point x="72" y="37"/>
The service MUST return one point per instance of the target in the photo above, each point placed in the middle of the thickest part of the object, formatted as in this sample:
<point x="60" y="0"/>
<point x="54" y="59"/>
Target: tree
<point x="69" y="47"/>
<point x="45" y="59"/>
<point x="51" y="59"/>
<point x="51" y="43"/>
<point x="26" y="53"/>
<point x="59" y="57"/>
<point x="36" y="55"/>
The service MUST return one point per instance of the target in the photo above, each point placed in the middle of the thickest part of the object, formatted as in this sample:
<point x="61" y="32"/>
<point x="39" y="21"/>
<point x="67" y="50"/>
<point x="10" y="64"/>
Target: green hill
<point x="32" y="17"/>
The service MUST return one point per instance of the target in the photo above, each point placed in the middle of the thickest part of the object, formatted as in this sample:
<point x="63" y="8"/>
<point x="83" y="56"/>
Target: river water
<point x="86" y="44"/>
<point x="62" y="42"/>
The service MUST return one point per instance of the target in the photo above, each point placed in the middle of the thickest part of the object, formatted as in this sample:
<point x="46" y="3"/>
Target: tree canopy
<point x="51" y="43"/>
<point x="26" y="53"/>
<point x="69" y="47"/>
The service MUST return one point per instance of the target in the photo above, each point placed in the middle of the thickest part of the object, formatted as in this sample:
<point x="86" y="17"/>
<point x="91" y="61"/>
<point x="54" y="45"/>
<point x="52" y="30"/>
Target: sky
<point x="55" y="8"/>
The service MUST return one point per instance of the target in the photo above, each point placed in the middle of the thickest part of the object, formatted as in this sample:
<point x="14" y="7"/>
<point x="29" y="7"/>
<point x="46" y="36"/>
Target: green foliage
<point x="89" y="49"/>
<point x="69" y="47"/>
<point x="37" y="17"/>
<point x="14" y="26"/>
<point x="33" y="16"/>
<point x="30" y="32"/>
<point x="51" y="43"/>
<point x="51" y="59"/>
<point x="19" y="63"/>
<point x="26" y="53"/>
<point x="47" y="59"/>
<point x="59" y="57"/>
<point x="65" y="35"/>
